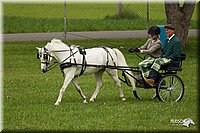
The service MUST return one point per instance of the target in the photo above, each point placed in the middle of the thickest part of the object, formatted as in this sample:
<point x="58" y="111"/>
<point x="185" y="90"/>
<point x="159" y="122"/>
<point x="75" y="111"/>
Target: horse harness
<point x="69" y="64"/>
<point x="84" y="64"/>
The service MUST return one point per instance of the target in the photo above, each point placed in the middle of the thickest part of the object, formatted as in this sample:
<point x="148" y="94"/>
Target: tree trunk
<point x="180" y="17"/>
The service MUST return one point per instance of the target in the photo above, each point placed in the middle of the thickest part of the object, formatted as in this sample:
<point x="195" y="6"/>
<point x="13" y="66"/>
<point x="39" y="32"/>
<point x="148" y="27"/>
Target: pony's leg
<point x="69" y="75"/>
<point x="113" y="74"/>
<point x="99" y="85"/>
<point x="78" y="88"/>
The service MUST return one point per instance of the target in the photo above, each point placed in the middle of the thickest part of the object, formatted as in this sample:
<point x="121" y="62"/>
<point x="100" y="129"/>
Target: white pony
<point x="75" y="61"/>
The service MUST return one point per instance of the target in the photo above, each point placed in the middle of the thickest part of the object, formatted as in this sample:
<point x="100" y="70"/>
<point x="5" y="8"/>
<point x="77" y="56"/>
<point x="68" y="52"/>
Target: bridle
<point x="46" y="56"/>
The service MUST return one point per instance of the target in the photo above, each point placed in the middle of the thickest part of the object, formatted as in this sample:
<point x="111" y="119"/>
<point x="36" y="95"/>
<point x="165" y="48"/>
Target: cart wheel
<point x="170" y="88"/>
<point x="146" y="93"/>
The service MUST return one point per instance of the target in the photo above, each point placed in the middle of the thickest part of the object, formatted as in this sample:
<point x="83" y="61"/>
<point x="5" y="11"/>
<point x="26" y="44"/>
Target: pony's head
<point x="44" y="57"/>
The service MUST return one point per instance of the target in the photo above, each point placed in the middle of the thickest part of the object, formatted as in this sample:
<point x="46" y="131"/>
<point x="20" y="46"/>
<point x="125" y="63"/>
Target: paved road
<point x="81" y="35"/>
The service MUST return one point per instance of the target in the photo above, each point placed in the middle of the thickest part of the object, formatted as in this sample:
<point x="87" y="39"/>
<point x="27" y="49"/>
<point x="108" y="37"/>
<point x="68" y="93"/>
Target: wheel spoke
<point x="170" y="88"/>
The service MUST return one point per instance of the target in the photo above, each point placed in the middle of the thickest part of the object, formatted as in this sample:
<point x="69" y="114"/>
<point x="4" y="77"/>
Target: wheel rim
<point x="170" y="88"/>
<point x="146" y="94"/>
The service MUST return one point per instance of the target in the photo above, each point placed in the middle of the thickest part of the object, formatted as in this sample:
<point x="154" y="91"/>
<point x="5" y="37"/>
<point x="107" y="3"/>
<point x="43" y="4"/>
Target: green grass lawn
<point x="83" y="10"/>
<point x="29" y="17"/>
<point x="78" y="10"/>
<point x="29" y="95"/>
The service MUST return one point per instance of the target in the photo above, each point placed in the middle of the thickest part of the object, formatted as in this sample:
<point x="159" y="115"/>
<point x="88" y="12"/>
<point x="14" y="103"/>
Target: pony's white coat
<point x="96" y="56"/>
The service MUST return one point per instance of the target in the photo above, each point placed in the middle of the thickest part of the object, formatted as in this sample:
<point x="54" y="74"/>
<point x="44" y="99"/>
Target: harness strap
<point x="65" y="65"/>
<point x="71" y="53"/>
<point x="108" y="54"/>
<point x="81" y="51"/>
<point x="84" y="62"/>
<point x="83" y="66"/>
<point x="69" y="64"/>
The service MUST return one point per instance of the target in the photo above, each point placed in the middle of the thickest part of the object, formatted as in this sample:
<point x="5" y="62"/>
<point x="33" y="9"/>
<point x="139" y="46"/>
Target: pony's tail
<point x="122" y="62"/>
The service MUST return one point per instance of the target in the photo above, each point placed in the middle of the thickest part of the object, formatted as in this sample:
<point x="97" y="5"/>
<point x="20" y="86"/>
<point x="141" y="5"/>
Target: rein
<point x="56" y="63"/>
<point x="84" y="64"/>
<point x="143" y="58"/>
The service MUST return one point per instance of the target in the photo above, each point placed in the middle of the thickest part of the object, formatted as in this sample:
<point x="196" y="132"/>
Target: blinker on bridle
<point x="45" y="56"/>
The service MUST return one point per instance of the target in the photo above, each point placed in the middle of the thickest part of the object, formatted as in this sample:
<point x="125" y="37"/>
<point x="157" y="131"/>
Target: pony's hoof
<point x="56" y="104"/>
<point x="92" y="100"/>
<point x="123" y="99"/>
<point x="84" y="101"/>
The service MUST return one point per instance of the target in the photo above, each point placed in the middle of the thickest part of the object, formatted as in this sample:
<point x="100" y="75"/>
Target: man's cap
<point x="169" y="26"/>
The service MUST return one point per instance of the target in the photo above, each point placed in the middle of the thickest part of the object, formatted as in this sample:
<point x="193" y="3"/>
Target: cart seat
<point x="175" y="65"/>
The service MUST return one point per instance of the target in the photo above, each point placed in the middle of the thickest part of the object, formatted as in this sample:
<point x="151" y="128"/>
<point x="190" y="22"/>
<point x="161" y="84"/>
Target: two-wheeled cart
<point x="168" y="88"/>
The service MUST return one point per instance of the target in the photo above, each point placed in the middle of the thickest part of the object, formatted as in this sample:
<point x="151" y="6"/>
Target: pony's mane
<point x="55" y="42"/>
<point x="58" y="41"/>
